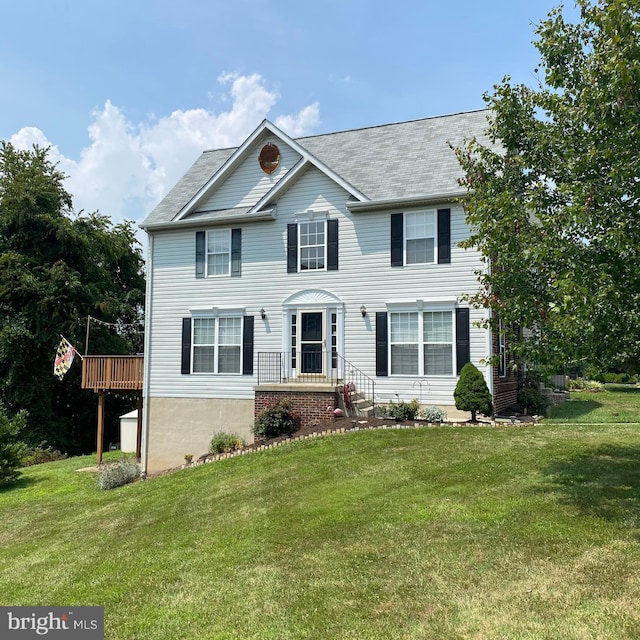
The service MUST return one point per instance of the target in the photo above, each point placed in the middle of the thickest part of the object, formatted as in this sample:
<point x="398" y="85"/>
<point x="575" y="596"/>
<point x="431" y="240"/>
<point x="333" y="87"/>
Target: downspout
<point x="147" y="356"/>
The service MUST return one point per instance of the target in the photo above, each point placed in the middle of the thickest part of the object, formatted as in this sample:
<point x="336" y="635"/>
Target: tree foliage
<point x="57" y="268"/>
<point x="11" y="449"/>
<point x="554" y="198"/>
<point x="472" y="393"/>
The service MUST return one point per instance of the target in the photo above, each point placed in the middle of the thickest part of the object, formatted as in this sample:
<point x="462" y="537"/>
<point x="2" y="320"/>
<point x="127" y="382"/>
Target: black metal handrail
<point x="300" y="367"/>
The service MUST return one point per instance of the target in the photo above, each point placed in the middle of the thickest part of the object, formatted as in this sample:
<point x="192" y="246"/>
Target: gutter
<point x="208" y="219"/>
<point x="396" y="203"/>
<point x="144" y="454"/>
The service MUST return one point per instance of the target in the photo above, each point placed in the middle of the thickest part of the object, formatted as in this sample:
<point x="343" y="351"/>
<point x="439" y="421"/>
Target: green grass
<point x="471" y="532"/>
<point x="617" y="403"/>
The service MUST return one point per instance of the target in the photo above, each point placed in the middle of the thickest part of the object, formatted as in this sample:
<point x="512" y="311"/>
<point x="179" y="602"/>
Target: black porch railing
<point x="320" y="367"/>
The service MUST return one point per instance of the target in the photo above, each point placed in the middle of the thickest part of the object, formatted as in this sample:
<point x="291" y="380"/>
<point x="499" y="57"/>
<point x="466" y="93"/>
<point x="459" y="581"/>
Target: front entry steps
<point x="355" y="404"/>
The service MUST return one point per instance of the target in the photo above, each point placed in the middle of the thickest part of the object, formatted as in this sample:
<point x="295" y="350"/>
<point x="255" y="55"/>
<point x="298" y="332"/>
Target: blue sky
<point x="129" y="93"/>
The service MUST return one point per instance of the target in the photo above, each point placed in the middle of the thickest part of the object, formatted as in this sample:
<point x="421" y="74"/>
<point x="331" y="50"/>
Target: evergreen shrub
<point x="472" y="393"/>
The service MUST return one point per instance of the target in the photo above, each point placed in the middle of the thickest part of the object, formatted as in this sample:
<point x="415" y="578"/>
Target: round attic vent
<point x="269" y="158"/>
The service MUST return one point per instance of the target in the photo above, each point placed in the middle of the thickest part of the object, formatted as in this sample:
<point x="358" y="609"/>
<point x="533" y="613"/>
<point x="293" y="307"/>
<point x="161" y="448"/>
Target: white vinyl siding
<point x="248" y="182"/>
<point x="365" y="278"/>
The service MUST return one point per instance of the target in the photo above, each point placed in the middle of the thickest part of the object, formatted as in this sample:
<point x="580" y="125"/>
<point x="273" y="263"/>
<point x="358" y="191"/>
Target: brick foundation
<point x="311" y="405"/>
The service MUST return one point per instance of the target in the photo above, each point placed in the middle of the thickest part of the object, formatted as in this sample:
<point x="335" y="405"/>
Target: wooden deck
<point x="112" y="373"/>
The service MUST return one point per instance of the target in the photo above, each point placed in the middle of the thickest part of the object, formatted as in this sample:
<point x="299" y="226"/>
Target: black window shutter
<point x="186" y="346"/>
<point x="444" y="236"/>
<point x="462" y="338"/>
<point x="332" y="245"/>
<point x="236" y="251"/>
<point x="201" y="240"/>
<point x="382" y="344"/>
<point x="247" y="346"/>
<point x="397" y="239"/>
<point x="292" y="248"/>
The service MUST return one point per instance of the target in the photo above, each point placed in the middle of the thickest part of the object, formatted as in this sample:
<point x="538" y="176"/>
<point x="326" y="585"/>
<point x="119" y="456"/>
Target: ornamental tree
<point x="554" y="199"/>
<point x="472" y="393"/>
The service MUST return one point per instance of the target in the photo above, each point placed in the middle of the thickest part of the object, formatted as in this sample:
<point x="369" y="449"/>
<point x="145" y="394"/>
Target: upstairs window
<point x="218" y="253"/>
<point x="312" y="245"/>
<point x="420" y="237"/>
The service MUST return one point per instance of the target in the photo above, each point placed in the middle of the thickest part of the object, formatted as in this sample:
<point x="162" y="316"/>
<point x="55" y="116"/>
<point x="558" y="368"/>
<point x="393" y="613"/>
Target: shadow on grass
<point x="22" y="482"/>
<point x="622" y="388"/>
<point x="574" y="409"/>
<point x="602" y="482"/>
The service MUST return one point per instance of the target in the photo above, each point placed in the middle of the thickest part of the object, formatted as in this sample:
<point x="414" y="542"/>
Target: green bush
<point x="433" y="414"/>
<point x="531" y="400"/>
<point x="276" y="420"/>
<point x="614" y="378"/>
<point x="529" y="396"/>
<point x="11" y="449"/>
<point x="40" y="455"/>
<point x="471" y="392"/>
<point x="580" y="384"/>
<point x="403" y="410"/>
<point x="117" y="474"/>
<point x="225" y="442"/>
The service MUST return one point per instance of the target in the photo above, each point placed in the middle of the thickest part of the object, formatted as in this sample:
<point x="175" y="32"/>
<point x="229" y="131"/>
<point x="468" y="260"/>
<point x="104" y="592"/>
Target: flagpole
<point x="86" y="339"/>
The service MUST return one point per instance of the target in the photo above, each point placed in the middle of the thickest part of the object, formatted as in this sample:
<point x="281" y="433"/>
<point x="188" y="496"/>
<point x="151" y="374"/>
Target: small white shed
<point x="128" y="431"/>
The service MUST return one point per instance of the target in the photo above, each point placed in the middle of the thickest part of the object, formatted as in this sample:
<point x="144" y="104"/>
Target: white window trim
<point x="502" y="351"/>
<point x="207" y="254"/>
<point x="320" y="220"/>
<point x="420" y="309"/>
<point x="405" y="237"/>
<point x="215" y="314"/>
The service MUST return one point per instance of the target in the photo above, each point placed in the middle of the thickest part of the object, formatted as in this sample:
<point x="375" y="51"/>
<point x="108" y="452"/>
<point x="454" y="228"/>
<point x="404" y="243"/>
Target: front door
<point x="312" y="342"/>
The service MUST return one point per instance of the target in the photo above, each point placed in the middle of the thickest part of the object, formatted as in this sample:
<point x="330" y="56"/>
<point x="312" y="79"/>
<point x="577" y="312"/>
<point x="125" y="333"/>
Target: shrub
<point x="529" y="395"/>
<point x="276" y="420"/>
<point x="225" y="442"/>
<point x="118" y="474"/>
<point x="433" y="414"/>
<point x="531" y="400"/>
<point x="11" y="449"/>
<point x="403" y="410"/>
<point x="471" y="392"/>
<point x="614" y="378"/>
<point x="579" y="384"/>
<point x="40" y="455"/>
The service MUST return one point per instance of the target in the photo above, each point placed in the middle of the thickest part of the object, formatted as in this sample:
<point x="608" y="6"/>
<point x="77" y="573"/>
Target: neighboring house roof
<point x="405" y="160"/>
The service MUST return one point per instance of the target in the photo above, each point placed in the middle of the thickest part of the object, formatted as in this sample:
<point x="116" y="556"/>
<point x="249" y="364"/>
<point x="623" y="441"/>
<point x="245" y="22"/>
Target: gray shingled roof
<point x="400" y="160"/>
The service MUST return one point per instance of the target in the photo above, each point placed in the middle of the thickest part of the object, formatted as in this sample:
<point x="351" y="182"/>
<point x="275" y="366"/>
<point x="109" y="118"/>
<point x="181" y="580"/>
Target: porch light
<point x="263" y="313"/>
<point x="363" y="311"/>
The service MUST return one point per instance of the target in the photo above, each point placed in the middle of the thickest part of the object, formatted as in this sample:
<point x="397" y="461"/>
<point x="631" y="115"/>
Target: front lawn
<point x="448" y="532"/>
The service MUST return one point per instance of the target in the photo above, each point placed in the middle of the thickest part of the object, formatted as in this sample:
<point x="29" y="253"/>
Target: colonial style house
<point x="324" y="269"/>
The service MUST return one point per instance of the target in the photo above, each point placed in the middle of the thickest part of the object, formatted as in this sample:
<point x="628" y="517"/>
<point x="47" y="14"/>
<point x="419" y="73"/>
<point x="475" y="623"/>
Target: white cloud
<point x="302" y="123"/>
<point x="128" y="167"/>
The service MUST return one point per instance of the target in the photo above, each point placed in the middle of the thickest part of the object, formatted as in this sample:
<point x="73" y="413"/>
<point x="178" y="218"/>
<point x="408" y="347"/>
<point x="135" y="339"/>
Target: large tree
<point x="56" y="269"/>
<point x="554" y="199"/>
